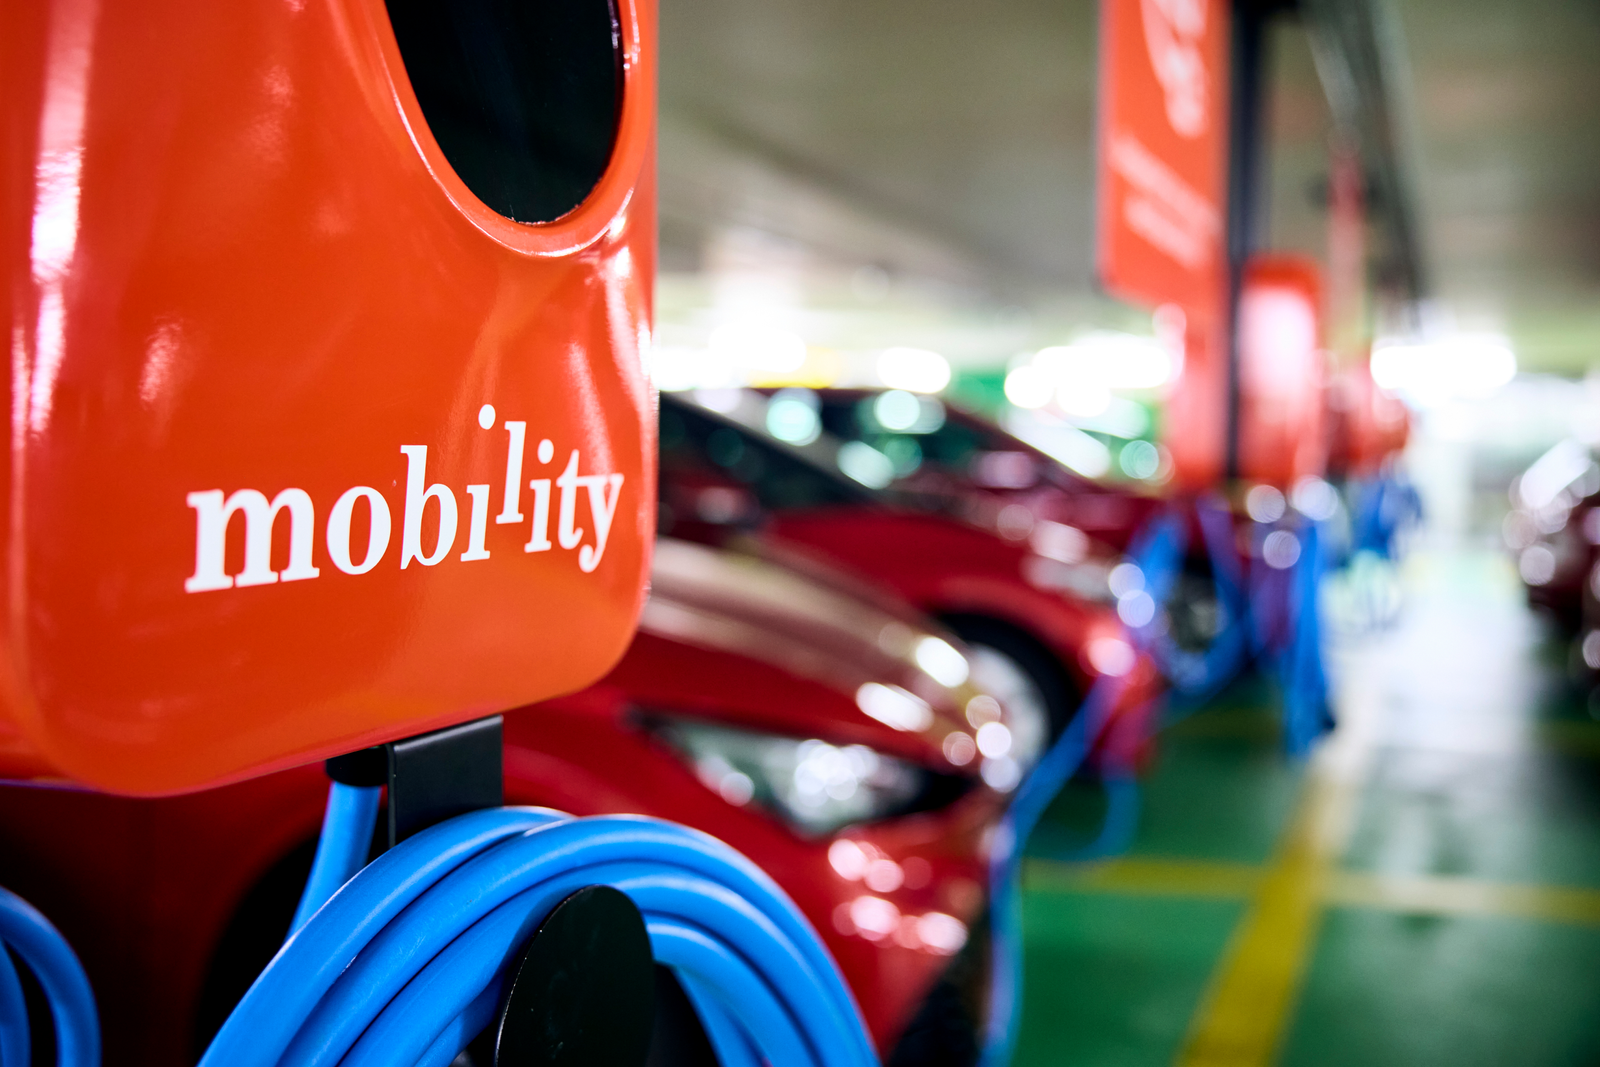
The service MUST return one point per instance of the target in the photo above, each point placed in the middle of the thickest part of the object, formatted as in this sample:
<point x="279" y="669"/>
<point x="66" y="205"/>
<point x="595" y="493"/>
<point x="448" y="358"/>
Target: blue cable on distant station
<point x="1198" y="675"/>
<point x="1382" y="508"/>
<point x="1287" y="568"/>
<point x="1301" y="668"/>
<point x="403" y="965"/>
<point x="1158" y="552"/>
<point x="41" y="948"/>
<point x="1063" y="759"/>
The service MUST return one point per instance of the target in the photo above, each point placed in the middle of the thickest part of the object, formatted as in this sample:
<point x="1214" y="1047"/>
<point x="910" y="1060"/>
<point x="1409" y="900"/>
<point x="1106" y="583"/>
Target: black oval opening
<point x="523" y="96"/>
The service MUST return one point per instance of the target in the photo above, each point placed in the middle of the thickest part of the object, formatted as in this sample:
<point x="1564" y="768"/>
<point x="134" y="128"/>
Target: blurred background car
<point x="1553" y="529"/>
<point x="1035" y="599"/>
<point x="949" y="459"/>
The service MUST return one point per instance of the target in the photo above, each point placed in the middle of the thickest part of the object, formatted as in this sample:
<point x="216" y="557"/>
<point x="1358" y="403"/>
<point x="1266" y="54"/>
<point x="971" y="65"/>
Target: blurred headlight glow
<point x="897" y="410"/>
<point x="1537" y="565"/>
<point x="814" y="786"/>
<point x="895" y="707"/>
<point x="941" y="661"/>
<point x="994" y="739"/>
<point x="915" y="369"/>
<point x="866" y="464"/>
<point x="792" y="416"/>
<point x="1111" y="655"/>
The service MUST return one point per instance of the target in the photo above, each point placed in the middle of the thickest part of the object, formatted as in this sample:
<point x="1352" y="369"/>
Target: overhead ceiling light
<point x="915" y="369"/>
<point x="1463" y="366"/>
<point x="759" y="347"/>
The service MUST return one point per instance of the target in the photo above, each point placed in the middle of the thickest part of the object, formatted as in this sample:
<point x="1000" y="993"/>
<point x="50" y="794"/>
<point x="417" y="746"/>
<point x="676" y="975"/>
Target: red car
<point x="965" y="465"/>
<point x="1035" y="597"/>
<point x="948" y="457"/>
<point x="1553" y="528"/>
<point x="827" y="732"/>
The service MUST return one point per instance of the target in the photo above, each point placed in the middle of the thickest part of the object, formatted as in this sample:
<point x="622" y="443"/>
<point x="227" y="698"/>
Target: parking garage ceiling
<point x="949" y="145"/>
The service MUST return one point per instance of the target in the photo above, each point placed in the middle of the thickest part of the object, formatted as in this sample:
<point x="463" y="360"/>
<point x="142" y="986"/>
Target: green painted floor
<point x="1425" y="890"/>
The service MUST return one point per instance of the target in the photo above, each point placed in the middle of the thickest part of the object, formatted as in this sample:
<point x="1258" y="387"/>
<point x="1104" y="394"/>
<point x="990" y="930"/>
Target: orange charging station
<point x="311" y="447"/>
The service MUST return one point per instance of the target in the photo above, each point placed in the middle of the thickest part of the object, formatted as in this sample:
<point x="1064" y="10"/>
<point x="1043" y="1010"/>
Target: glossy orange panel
<point x="1161" y="176"/>
<point x="241" y="277"/>
<point x="1282" y="367"/>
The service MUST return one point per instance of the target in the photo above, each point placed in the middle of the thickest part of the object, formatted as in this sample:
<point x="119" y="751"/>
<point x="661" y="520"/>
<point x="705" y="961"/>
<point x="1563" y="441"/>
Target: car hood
<point x="891" y="671"/>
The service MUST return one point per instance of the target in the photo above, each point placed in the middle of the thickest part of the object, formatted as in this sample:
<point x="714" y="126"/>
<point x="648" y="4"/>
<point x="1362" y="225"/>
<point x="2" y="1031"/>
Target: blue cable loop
<point x="403" y="964"/>
<point x="1383" y="507"/>
<point x="1118" y="826"/>
<point x="46" y="953"/>
<point x="1198" y="676"/>
<point x="15" y="1046"/>
<point x="1158" y="551"/>
<point x="342" y="846"/>
<point x="1300" y="665"/>
<point x="1033" y="796"/>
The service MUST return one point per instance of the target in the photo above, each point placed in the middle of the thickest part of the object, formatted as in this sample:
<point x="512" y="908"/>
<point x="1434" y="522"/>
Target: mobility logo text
<point x="214" y="509"/>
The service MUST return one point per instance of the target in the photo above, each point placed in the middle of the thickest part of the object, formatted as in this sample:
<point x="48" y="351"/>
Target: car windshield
<point x="912" y="431"/>
<point x="715" y="471"/>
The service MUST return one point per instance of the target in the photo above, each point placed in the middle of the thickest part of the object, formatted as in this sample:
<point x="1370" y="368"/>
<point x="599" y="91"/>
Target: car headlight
<point x="812" y="785"/>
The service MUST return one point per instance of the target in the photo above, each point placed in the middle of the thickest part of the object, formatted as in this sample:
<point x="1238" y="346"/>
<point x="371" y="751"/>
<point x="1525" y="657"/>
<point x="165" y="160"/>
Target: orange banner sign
<point x="1162" y="145"/>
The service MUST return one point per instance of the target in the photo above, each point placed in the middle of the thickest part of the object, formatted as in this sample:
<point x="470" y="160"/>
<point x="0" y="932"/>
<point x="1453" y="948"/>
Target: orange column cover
<point x="1281" y="371"/>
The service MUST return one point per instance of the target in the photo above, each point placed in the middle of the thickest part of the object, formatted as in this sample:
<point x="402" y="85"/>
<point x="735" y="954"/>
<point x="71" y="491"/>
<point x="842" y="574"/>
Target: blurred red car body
<point x="1030" y="592"/>
<point x="1553" y="529"/>
<point x="975" y="469"/>
<point x="970" y="467"/>
<point x="746" y="683"/>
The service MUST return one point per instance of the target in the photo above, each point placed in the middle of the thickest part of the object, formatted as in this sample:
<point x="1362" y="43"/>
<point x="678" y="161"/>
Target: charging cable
<point x="403" y="964"/>
<point x="32" y="938"/>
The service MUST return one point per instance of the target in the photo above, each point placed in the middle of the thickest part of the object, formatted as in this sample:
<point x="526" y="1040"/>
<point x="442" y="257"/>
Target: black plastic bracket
<point x="583" y="993"/>
<point x="431" y="777"/>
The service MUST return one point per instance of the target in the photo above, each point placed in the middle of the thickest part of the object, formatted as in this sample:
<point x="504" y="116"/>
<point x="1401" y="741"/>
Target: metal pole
<point x="1246" y="158"/>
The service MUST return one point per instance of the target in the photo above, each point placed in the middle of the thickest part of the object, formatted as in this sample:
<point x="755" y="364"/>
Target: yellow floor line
<point x="1242" y="1016"/>
<point x="1143" y="876"/>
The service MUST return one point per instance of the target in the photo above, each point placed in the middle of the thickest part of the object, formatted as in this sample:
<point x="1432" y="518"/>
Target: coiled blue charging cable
<point x="403" y="964"/>
<point x="46" y="953"/>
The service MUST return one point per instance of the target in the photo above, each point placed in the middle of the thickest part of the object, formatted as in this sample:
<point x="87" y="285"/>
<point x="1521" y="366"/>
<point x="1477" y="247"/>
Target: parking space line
<point x="1241" y="1018"/>
<point x="1144" y="876"/>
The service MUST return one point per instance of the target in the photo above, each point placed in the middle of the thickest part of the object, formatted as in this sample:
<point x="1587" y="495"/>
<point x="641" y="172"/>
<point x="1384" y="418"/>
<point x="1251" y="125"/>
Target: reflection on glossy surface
<point x="810" y="784"/>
